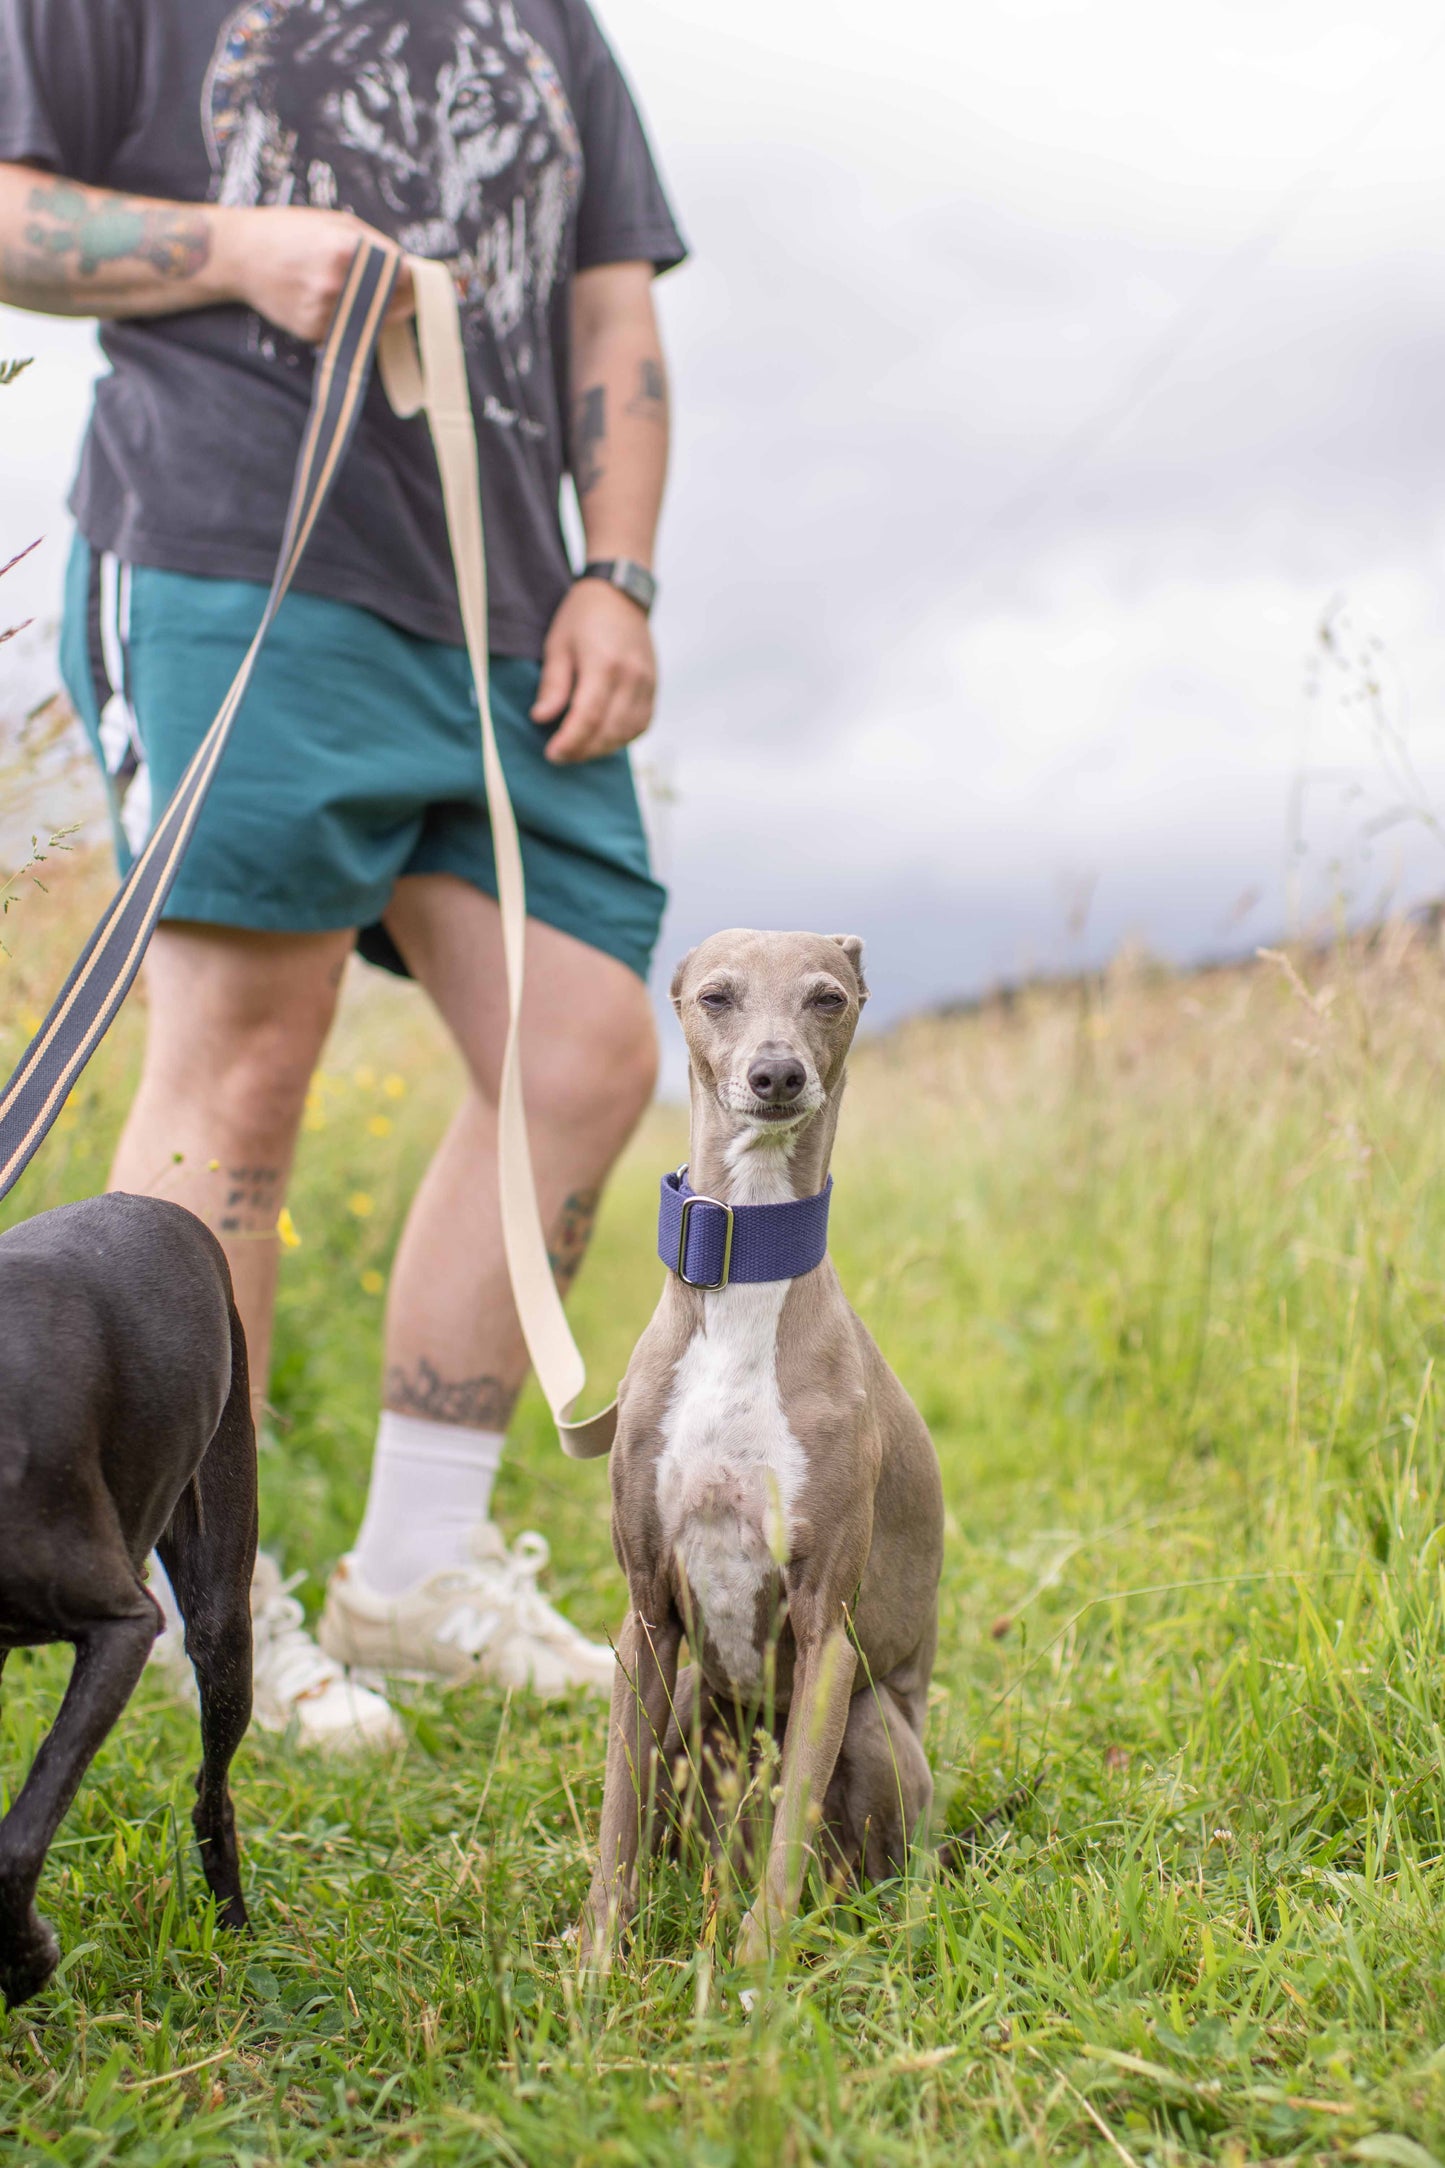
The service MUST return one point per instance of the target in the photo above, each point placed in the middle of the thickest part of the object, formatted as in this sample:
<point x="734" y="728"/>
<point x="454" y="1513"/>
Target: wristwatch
<point x="627" y="575"/>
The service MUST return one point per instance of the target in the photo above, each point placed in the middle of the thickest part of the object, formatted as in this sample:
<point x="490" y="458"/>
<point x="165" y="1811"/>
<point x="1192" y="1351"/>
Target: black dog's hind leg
<point x="109" y="1657"/>
<point x="209" y="1552"/>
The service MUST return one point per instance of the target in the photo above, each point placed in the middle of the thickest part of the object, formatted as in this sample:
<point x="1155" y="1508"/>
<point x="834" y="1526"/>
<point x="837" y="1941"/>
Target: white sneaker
<point x="296" y="1683"/>
<point x="482" y="1620"/>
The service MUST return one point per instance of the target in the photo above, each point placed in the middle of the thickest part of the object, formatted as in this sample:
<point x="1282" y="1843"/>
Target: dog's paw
<point x="593" y="1948"/>
<point x="596" y="1939"/>
<point x="29" y="1960"/>
<point x="754" y="1945"/>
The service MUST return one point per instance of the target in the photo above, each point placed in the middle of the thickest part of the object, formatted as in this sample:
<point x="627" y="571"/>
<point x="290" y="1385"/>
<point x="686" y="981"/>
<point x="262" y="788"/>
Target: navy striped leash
<point x="86" y="1005"/>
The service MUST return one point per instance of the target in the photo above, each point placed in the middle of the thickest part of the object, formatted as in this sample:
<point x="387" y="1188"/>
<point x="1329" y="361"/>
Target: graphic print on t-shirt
<point x="448" y="129"/>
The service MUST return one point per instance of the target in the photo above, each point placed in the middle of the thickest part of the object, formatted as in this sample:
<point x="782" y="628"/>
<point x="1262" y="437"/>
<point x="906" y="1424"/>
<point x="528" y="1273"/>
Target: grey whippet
<point x="775" y="1494"/>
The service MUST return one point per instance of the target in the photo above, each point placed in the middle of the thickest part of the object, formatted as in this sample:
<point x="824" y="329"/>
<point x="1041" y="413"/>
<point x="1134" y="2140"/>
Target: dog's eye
<point x="829" y="1000"/>
<point x="714" y="1000"/>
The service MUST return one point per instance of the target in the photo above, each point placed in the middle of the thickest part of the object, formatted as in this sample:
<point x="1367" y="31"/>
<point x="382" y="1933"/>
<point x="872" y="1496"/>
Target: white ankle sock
<point x="430" y="1485"/>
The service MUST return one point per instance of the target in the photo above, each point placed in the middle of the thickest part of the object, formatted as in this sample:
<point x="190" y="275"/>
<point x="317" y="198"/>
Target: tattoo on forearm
<point x="571" y="1236"/>
<point x="649" y="402"/>
<point x="253" y="1200"/>
<point x="483" y="1403"/>
<point x="76" y="233"/>
<point x="589" y="434"/>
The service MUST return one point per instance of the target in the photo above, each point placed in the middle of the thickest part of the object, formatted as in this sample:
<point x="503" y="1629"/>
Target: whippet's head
<point x="768" y="1019"/>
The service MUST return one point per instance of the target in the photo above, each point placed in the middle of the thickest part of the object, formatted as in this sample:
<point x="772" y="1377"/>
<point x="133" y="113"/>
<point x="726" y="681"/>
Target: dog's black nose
<point x="776" y="1075"/>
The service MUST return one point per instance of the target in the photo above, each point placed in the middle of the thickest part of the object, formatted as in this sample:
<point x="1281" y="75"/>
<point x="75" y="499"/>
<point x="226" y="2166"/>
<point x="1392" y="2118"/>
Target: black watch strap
<point x="626" y="574"/>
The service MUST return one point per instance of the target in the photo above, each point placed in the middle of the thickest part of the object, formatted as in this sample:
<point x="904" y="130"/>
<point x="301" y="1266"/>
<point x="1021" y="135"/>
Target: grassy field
<point x="1160" y="1260"/>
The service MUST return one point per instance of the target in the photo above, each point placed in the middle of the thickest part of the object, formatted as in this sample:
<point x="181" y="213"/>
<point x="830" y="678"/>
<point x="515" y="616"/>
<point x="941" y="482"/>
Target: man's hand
<point x="598" y="672"/>
<point x="70" y="250"/>
<point x="289" y="263"/>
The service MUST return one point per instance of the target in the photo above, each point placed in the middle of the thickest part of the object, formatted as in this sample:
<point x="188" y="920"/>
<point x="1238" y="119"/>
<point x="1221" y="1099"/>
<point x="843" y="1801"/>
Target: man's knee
<point x="246" y="1086"/>
<point x="601" y="1078"/>
<point x="236" y="1030"/>
<point x="259" y="1084"/>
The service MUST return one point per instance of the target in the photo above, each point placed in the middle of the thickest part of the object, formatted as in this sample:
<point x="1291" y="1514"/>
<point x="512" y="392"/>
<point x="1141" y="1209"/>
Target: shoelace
<point x="529" y="1557"/>
<point x="503" y="1590"/>
<point x="290" y="1662"/>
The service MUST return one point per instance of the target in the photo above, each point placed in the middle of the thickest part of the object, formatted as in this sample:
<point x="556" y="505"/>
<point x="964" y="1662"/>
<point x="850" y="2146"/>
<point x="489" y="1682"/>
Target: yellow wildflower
<point x="372" y="1281"/>
<point x="286" y="1229"/>
<point x="394" y="1086"/>
<point x="361" y="1204"/>
<point x="380" y="1125"/>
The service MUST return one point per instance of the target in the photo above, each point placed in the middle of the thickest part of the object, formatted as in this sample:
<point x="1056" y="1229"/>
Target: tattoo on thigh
<point x="649" y="402"/>
<point x="484" y="1403"/>
<point x="253" y="1200"/>
<point x="589" y="434"/>
<point x="73" y="233"/>
<point x="571" y="1236"/>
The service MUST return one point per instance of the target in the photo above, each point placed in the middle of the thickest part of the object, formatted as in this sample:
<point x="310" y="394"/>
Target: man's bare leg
<point x="589" y="1063"/>
<point x="455" y="1359"/>
<point x="236" y="1024"/>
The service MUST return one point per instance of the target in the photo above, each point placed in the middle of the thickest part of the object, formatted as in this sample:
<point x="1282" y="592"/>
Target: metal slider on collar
<point x="689" y="1206"/>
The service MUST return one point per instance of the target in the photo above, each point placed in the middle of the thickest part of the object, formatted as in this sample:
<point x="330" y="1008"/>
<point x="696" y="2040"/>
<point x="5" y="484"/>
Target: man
<point x="196" y="174"/>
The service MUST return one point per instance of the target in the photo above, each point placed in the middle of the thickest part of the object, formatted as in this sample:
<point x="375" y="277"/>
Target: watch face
<point x="636" y="581"/>
<point x="627" y="575"/>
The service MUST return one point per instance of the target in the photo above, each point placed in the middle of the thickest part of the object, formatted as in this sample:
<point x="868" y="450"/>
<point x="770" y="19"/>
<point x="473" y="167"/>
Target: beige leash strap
<point x="424" y="370"/>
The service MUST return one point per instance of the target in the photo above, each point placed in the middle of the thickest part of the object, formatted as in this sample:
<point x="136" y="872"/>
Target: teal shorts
<point x="356" y="758"/>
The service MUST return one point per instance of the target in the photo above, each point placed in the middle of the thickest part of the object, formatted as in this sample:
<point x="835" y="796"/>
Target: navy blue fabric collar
<point x="711" y="1245"/>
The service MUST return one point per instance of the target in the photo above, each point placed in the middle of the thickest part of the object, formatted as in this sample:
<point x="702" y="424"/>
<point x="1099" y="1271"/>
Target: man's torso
<point x="451" y="125"/>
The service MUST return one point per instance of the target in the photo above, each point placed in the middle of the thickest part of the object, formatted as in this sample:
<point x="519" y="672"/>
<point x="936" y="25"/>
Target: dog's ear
<point x="675" y="992"/>
<point x="852" y="946"/>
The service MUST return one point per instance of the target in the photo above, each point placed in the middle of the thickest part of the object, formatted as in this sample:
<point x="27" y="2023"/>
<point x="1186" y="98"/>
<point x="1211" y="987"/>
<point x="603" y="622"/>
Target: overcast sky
<point x="1044" y="373"/>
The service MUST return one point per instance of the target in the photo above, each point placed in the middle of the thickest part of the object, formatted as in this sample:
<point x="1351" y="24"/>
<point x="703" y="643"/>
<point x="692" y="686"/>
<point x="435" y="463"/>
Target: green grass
<point x="1160" y="1262"/>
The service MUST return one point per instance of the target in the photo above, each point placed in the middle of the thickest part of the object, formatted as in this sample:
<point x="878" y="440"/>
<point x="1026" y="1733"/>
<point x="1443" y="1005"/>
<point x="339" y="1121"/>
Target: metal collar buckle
<point x="710" y="1287"/>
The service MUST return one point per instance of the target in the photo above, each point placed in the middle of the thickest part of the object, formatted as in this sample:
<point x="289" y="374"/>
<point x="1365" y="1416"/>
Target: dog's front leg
<point x="110" y="1656"/>
<point x="642" y="1698"/>
<point x="817" y="1719"/>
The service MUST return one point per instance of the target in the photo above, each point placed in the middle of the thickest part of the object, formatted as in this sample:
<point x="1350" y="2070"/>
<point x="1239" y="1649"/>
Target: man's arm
<point x="69" y="250"/>
<point x="598" y="669"/>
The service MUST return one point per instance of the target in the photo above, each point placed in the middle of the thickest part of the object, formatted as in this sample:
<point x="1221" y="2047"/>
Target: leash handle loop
<point x="423" y="368"/>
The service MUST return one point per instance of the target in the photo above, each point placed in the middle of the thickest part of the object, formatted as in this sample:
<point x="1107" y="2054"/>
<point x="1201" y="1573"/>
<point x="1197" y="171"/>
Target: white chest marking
<point x="730" y="1469"/>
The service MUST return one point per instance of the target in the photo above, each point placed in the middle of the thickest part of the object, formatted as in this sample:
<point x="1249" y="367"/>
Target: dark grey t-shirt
<point x="497" y="134"/>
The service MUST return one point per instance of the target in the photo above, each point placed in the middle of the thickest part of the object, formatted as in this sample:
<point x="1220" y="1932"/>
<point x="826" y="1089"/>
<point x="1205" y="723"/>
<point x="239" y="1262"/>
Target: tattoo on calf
<point x="252" y="1201"/>
<point x="649" y="402"/>
<point x="589" y="434"/>
<point x="483" y="1403"/>
<point x="571" y="1236"/>
<point x="74" y="233"/>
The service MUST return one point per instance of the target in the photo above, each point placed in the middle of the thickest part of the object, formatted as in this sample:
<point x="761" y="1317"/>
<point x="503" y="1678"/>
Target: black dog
<point x="125" y="1426"/>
